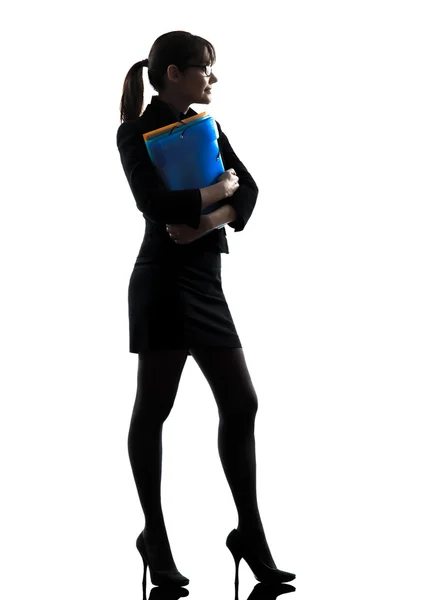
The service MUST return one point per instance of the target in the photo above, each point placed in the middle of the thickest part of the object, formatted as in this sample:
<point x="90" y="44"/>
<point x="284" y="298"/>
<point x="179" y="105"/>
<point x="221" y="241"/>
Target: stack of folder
<point x="186" y="154"/>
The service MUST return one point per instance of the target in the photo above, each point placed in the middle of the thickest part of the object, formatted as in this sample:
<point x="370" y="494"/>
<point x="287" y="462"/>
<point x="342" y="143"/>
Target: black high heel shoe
<point x="237" y="545"/>
<point x="167" y="577"/>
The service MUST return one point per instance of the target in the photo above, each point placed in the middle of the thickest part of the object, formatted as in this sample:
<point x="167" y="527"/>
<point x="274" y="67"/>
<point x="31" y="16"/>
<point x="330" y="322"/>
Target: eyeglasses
<point x="207" y="69"/>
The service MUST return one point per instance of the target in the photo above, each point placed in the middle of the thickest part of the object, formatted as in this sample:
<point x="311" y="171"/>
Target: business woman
<point x="177" y="306"/>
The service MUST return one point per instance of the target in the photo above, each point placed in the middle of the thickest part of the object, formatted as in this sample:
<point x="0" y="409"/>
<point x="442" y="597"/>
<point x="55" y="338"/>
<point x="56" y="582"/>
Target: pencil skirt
<point x="179" y="304"/>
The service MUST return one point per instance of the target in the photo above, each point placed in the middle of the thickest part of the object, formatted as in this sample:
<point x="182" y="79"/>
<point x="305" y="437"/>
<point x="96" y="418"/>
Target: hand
<point x="184" y="234"/>
<point x="230" y="179"/>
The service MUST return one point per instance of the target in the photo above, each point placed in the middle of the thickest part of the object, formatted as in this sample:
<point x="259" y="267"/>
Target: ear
<point x="173" y="73"/>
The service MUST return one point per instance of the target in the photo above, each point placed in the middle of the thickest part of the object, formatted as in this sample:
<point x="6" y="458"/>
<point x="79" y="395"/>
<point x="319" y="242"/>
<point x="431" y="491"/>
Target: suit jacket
<point x="160" y="205"/>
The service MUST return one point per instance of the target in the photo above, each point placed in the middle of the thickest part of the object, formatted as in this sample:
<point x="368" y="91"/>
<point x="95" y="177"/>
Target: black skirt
<point x="179" y="304"/>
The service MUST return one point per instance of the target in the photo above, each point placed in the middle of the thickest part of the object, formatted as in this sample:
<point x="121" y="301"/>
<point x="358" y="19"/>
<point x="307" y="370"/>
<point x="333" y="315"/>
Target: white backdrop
<point x="338" y="289"/>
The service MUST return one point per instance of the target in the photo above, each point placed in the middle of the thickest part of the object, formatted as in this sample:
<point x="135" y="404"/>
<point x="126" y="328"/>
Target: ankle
<point x="251" y="528"/>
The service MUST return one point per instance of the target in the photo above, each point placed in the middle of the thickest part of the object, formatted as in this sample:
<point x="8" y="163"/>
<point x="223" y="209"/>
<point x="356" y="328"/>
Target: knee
<point x="251" y="405"/>
<point x="240" y="408"/>
<point x="151" y="409"/>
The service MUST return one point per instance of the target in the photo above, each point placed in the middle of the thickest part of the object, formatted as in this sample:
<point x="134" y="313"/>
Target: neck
<point x="176" y="105"/>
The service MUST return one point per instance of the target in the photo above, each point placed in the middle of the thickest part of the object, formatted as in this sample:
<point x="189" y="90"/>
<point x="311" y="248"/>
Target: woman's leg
<point x="226" y="372"/>
<point x="158" y="379"/>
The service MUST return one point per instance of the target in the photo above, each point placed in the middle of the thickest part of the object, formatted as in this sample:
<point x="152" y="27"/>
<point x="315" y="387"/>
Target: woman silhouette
<point x="177" y="306"/>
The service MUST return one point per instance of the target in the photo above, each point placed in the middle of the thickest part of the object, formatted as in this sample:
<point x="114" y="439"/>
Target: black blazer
<point x="160" y="205"/>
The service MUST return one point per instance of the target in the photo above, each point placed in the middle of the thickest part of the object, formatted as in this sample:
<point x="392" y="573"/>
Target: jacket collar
<point x="168" y="112"/>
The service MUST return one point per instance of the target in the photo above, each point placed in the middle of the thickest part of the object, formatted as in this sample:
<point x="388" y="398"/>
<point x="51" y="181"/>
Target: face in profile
<point x="194" y="85"/>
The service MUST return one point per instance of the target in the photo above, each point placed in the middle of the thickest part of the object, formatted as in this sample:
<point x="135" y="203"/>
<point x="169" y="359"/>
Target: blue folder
<point x="186" y="154"/>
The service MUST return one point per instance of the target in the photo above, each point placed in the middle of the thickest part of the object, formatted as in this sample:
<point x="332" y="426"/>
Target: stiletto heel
<point x="161" y="577"/>
<point x="241" y="549"/>
<point x="237" y="556"/>
<point x="144" y="579"/>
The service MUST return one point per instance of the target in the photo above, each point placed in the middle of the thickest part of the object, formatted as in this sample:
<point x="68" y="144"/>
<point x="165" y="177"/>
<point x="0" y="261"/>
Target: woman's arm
<point x="213" y="193"/>
<point x="245" y="197"/>
<point x="221" y="216"/>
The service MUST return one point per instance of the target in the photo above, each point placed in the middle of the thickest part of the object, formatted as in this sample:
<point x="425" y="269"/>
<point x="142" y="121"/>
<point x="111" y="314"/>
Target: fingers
<point x="180" y="234"/>
<point x="171" y="232"/>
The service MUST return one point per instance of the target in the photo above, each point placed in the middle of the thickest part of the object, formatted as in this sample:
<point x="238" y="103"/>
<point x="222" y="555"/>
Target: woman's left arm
<point x="244" y="199"/>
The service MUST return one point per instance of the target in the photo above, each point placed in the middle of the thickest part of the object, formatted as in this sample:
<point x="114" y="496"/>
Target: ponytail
<point x="132" y="96"/>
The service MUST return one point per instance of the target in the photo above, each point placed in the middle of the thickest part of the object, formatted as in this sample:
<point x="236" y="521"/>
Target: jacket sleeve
<point x="245" y="197"/>
<point x="151" y="195"/>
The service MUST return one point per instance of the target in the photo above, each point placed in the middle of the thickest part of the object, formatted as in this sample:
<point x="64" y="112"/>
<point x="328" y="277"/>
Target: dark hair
<point x="177" y="48"/>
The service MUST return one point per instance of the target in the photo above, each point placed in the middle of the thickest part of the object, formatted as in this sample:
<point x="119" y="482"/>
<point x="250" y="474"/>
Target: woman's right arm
<point x="213" y="193"/>
<point x="151" y="196"/>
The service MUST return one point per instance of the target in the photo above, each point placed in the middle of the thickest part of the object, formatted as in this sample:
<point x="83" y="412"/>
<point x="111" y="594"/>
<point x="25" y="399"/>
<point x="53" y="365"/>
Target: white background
<point x="337" y="285"/>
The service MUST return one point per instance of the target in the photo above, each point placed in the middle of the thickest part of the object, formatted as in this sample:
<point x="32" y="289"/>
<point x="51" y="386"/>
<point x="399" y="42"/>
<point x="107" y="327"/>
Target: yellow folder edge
<point x="154" y="132"/>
